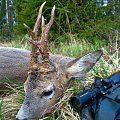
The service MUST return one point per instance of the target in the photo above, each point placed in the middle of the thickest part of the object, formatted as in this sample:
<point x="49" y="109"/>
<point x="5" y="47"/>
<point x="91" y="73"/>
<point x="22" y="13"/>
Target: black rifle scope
<point x="101" y="87"/>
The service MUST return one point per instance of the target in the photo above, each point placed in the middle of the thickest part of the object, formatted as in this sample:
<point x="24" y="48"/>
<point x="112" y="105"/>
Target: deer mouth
<point x="47" y="112"/>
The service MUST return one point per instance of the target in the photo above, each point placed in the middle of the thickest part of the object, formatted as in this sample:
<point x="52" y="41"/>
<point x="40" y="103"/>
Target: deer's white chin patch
<point x="22" y="114"/>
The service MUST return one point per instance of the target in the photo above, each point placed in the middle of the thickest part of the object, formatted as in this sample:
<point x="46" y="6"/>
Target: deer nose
<point x="20" y="119"/>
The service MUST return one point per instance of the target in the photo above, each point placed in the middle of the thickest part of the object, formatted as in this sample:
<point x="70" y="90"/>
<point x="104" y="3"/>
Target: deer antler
<point x="42" y="44"/>
<point x="37" y="24"/>
<point x="33" y="36"/>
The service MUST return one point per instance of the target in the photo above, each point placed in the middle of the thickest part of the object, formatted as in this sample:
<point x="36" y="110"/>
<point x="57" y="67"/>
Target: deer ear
<point x="80" y="66"/>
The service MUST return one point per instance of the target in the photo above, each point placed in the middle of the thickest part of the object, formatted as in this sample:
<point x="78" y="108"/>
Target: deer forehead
<point x="44" y="80"/>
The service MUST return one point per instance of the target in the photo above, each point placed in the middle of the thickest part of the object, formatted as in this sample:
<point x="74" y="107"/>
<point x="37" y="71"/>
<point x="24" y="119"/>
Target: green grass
<point x="108" y="64"/>
<point x="1" y="109"/>
<point x="76" y="47"/>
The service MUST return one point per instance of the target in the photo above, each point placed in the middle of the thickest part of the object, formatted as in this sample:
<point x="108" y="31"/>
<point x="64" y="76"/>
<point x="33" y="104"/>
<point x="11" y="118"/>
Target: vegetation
<point x="92" y="20"/>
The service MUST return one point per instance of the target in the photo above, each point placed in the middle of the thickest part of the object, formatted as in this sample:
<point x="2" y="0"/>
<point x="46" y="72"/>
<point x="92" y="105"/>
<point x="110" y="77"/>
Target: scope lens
<point x="75" y="103"/>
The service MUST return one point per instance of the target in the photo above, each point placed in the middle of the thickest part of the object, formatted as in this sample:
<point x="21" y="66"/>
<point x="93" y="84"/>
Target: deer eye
<point x="47" y="93"/>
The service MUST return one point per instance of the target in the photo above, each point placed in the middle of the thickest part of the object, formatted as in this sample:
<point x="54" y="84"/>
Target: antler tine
<point x="45" y="29"/>
<point x="30" y="32"/>
<point x="52" y="15"/>
<point x="34" y="37"/>
<point x="43" y="24"/>
<point x="34" y="48"/>
<point x="48" y="26"/>
<point x="37" y="24"/>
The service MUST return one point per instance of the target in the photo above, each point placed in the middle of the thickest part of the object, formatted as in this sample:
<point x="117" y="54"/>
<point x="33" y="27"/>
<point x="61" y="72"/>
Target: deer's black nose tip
<point x="16" y="119"/>
<point x="20" y="119"/>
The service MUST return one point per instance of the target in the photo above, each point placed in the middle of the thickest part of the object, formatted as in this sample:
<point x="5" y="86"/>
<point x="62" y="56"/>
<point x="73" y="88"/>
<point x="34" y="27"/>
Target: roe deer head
<point x="48" y="78"/>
